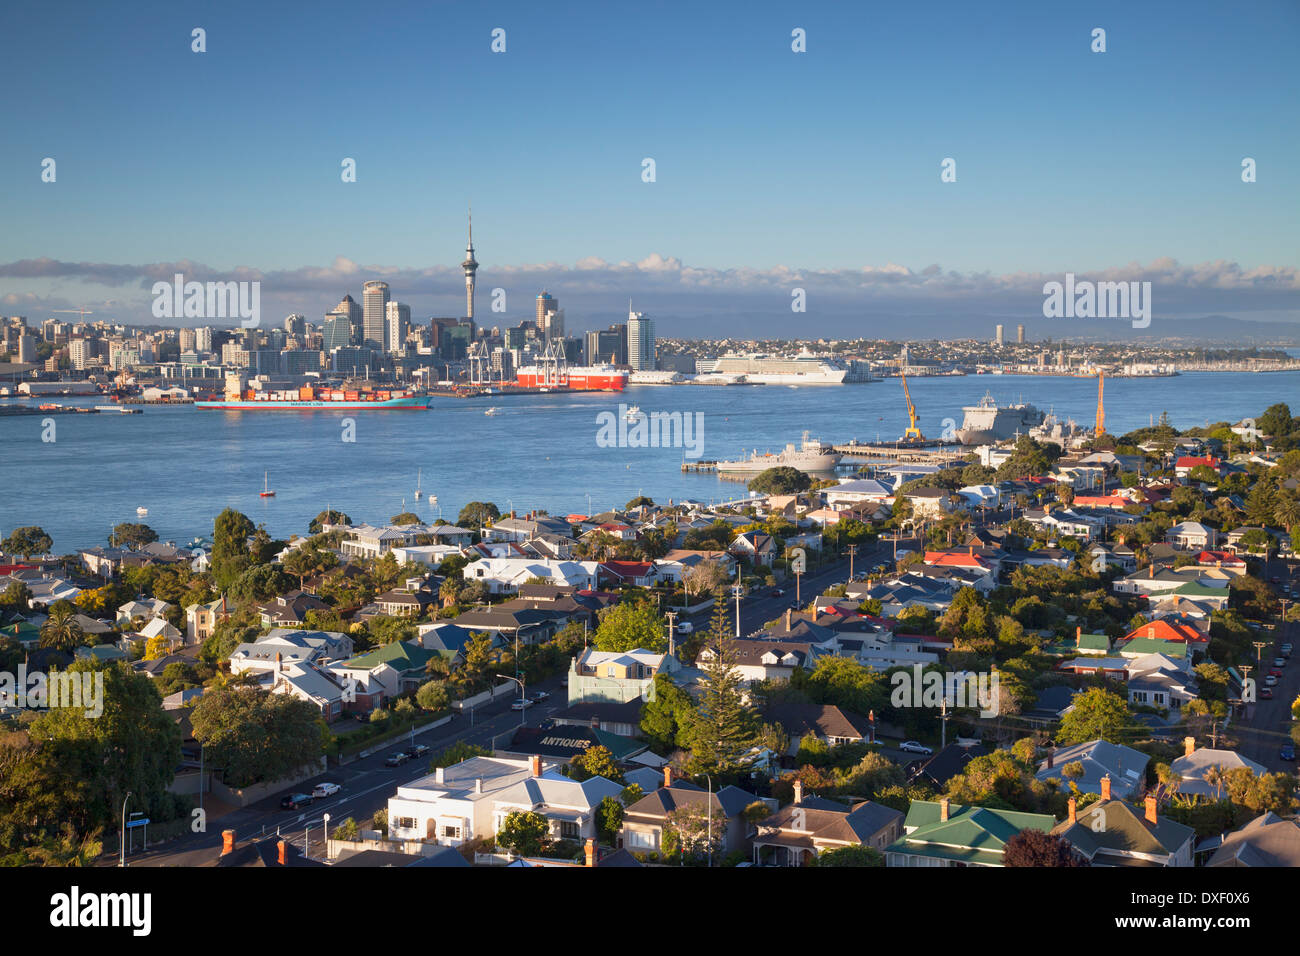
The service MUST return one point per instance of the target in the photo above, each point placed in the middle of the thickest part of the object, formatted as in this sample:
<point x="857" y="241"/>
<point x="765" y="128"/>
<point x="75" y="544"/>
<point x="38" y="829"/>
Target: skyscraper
<point x="1020" y="335"/>
<point x="375" y="311"/>
<point x="337" y="333"/>
<point x="470" y="266"/>
<point x="398" y="316"/>
<point x="640" y="341"/>
<point x="998" y="335"/>
<point x="296" y="324"/>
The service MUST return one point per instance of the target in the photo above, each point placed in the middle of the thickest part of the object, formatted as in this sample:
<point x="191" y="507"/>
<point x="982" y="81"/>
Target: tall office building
<point x="998" y="335"/>
<point x="26" y="349"/>
<point x="374" y="313"/>
<point x="399" y="325"/>
<point x="640" y="342"/>
<point x="203" y="339"/>
<point x="470" y="266"/>
<point x="548" y="310"/>
<point x="295" y="324"/>
<point x="606" y="346"/>
<point x="1020" y="335"/>
<point x="337" y="333"/>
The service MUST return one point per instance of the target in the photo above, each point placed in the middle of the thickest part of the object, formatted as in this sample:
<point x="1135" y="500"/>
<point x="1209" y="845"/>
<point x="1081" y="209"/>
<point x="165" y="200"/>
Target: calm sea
<point x="540" y="452"/>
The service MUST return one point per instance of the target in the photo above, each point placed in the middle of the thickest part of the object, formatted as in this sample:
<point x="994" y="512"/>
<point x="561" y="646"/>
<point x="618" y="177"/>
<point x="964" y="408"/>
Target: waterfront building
<point x="374" y="312"/>
<point x="640" y="341"/>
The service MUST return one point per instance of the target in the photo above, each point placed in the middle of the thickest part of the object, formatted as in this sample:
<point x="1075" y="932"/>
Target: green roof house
<point x="947" y="834"/>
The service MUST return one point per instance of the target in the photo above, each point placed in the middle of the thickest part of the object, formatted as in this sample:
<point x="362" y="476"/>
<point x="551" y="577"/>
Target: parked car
<point x="523" y="703"/>
<point x="326" y="789"/>
<point x="1279" y="662"/>
<point x="397" y="759"/>
<point x="1266" y="694"/>
<point x="296" y="801"/>
<point x="685" y="627"/>
<point x="776" y="592"/>
<point x="913" y="747"/>
<point x="1270" y="680"/>
<point x="1287" y="752"/>
<point x="419" y="750"/>
<point x="1275" y="671"/>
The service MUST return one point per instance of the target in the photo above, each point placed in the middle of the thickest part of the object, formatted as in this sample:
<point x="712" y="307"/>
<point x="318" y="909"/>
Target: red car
<point x="1266" y="694"/>
<point x="1275" y="671"/>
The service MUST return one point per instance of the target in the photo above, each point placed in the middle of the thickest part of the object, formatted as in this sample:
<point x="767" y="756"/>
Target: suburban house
<point x="1194" y="766"/>
<point x="644" y="820"/>
<point x="932" y="502"/>
<point x="617" y="574"/>
<point x="616" y="677"/>
<point x="284" y="645"/>
<point x="1192" y="536"/>
<point x="568" y="805"/>
<point x="454" y="805"/>
<point x="1267" y="840"/>
<point x="289" y="610"/>
<point x="759" y="549"/>
<point x="770" y="660"/>
<point x="848" y="493"/>
<point x="387" y="671"/>
<point x="1113" y="833"/>
<point x="307" y="681"/>
<point x="948" y="762"/>
<point x="1159" y="680"/>
<point x="673" y="565"/>
<point x="943" y="833"/>
<point x="504" y="575"/>
<point x="830" y="724"/>
<point x="796" y="834"/>
<point x="1107" y="768"/>
<point x="367" y="541"/>
<point x="201" y="620"/>
<point x="146" y="608"/>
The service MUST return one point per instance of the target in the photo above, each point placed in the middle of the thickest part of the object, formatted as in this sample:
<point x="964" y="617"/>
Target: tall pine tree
<point x="726" y="725"/>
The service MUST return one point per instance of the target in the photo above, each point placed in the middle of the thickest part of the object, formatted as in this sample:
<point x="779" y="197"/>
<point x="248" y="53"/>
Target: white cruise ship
<point x="762" y="369"/>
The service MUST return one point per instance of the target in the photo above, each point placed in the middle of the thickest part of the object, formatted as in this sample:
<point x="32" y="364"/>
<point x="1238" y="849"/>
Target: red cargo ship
<point x="578" y="378"/>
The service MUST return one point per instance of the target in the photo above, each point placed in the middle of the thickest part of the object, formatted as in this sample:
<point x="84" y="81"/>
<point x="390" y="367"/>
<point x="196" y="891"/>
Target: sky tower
<point x="470" y="267"/>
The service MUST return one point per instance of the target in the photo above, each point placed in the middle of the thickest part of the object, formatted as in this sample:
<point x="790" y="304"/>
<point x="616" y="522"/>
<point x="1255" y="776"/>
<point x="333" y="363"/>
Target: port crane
<point x="913" y="433"/>
<point x="81" y="312"/>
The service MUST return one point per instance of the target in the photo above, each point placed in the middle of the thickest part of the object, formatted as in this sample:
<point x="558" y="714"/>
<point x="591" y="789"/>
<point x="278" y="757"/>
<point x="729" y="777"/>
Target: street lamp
<point x="523" y="698"/>
<point x="326" y="820"/>
<point x="122" y="862"/>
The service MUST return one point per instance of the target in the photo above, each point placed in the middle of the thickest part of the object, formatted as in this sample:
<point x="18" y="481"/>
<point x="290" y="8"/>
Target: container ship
<point x="575" y="378"/>
<point x="238" y="396"/>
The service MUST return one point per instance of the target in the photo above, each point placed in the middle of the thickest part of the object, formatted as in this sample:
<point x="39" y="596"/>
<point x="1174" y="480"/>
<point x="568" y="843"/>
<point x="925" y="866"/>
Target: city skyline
<point x="854" y="212"/>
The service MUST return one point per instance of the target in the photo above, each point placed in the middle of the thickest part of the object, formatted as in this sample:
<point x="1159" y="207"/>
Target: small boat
<point x="492" y="411"/>
<point x="266" y="491"/>
<point x="633" y="414"/>
<point x="419" y="473"/>
<point x="142" y="511"/>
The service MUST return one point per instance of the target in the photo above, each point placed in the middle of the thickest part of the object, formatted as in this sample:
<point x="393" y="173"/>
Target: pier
<point x="928" y="453"/>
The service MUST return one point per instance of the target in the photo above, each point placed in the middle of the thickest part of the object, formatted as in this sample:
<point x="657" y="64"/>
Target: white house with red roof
<point x="1183" y="466"/>
<point x="1171" y="631"/>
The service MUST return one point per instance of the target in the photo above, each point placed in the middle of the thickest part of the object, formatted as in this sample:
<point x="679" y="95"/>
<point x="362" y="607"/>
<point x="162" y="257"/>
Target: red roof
<point x="1164" y="631"/>
<point x="1220" y="557"/>
<point x="955" y="559"/>
<point x="627" y="569"/>
<point x="1191" y="462"/>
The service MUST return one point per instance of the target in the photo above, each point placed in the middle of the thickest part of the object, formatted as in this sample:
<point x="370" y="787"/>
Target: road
<point x="1266" y="724"/>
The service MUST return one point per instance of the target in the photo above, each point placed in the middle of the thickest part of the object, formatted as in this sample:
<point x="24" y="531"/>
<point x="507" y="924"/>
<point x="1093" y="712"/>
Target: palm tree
<point x="448" y="591"/>
<point x="1287" y="512"/>
<point x="61" y="630"/>
<point x="1214" y="778"/>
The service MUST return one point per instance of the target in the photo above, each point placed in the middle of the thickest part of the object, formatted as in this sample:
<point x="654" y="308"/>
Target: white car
<point x="685" y="627"/>
<point x="522" y="704"/>
<point x="1270" y="681"/>
<point x="324" y="790"/>
<point x="912" y="747"/>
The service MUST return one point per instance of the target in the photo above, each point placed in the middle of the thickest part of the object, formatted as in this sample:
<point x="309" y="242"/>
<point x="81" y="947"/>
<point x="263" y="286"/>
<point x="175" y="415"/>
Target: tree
<point x="456" y="753"/>
<point x="1036" y="848"/>
<point x="667" y="711"/>
<point x="133" y="744"/>
<point x="849" y="856"/>
<point x="478" y="514"/>
<point x="61" y="630"/>
<point x="781" y="480"/>
<point x="406" y="517"/>
<point x="308" y="560"/>
<point x="726" y="725"/>
<point x="524" y="831"/>
<point x="690" y="830"/>
<point x="640" y="501"/>
<point x="329" y="516"/>
<point x="230" y="554"/>
<point x="609" y="819"/>
<point x="433" y="696"/>
<point x="597" y="761"/>
<point x="1097" y="713"/>
<point x="704" y="576"/>
<point x="631" y="625"/>
<point x="256" y="735"/>
<point x="27" y="541"/>
<point x="132" y="535"/>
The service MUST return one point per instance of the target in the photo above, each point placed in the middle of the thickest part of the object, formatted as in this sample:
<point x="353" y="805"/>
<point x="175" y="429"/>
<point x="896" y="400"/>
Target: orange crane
<point x="1101" y="407"/>
<point x="913" y="433"/>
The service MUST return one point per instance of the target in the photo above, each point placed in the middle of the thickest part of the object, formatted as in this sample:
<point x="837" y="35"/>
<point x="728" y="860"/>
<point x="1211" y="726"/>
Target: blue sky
<point x="766" y="159"/>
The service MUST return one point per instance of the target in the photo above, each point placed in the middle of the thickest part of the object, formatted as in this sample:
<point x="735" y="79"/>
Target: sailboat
<point x="419" y="473"/>
<point x="266" y="491"/>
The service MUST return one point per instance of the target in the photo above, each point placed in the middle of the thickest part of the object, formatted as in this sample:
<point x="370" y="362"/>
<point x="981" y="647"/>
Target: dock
<point x="699" y="466"/>
<point x="930" y="453"/>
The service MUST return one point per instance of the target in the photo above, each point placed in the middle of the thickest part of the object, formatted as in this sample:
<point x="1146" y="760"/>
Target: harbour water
<point x="540" y="452"/>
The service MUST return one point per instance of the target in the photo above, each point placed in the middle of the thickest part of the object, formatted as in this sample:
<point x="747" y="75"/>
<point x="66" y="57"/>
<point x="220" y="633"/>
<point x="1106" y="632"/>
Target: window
<point x="451" y="833"/>
<point x="569" y="830"/>
<point x="404" y="823"/>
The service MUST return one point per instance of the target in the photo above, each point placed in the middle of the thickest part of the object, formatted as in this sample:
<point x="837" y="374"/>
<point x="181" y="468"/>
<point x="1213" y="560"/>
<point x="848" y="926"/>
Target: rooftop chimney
<point x="1051" y="759"/>
<point x="227" y="842"/>
<point x="282" y="853"/>
<point x="944" y="805"/>
<point x="438" y="775"/>
<point x="1073" y="806"/>
<point x="668" y="776"/>
<point x="279" y="662"/>
<point x="1152" y="805"/>
<point x="788" y="614"/>
<point x="478" y="785"/>
<point x="1151" y="630"/>
<point x="536" y="763"/>
<point x="1189" y="746"/>
<point x="1105" y="787"/>
<point x="798" y="791"/>
<point x="1151" y="569"/>
<point x="591" y="852"/>
<point x="1078" y="635"/>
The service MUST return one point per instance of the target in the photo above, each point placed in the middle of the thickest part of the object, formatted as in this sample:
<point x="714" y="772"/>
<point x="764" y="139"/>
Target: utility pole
<point x="672" y="633"/>
<point x="943" y="722"/>
<point x="1259" y="650"/>
<point x="853" y="550"/>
